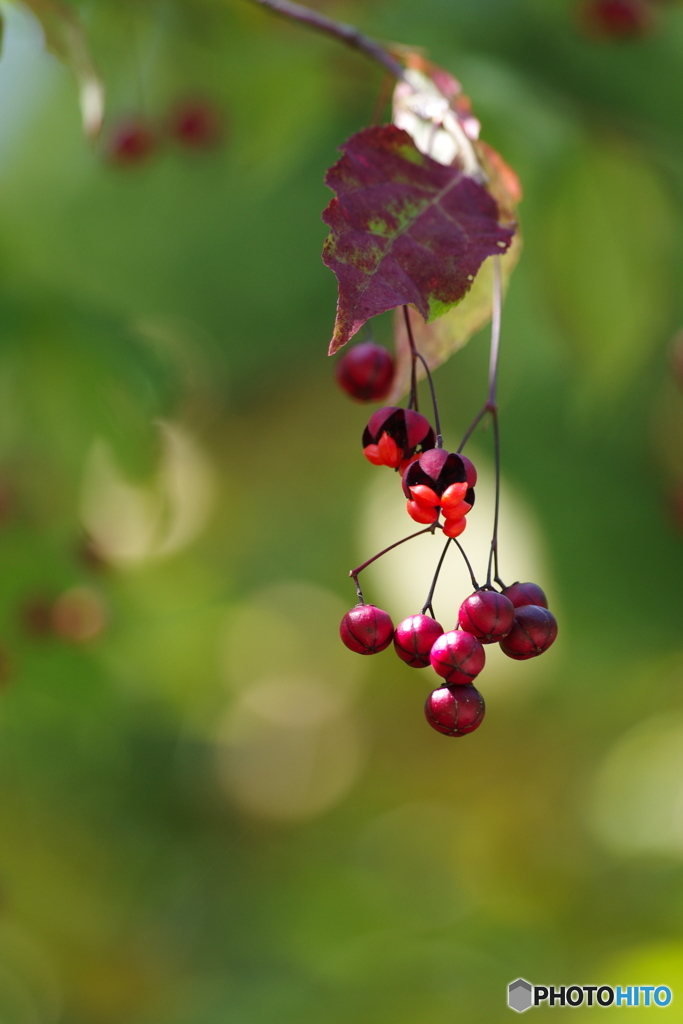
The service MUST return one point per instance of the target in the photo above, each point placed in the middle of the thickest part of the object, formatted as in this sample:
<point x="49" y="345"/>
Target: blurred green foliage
<point x="211" y="812"/>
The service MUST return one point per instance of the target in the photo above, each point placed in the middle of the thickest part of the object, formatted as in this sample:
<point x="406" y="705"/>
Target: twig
<point x="354" y="573"/>
<point x="347" y="34"/>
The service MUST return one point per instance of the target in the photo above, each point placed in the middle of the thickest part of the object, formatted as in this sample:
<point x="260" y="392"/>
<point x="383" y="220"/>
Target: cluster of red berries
<point x="193" y="124"/>
<point x="436" y="484"/>
<point x="518" y="619"/>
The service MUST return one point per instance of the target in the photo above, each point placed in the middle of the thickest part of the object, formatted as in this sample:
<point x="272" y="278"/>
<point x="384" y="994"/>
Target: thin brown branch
<point x="347" y="34"/>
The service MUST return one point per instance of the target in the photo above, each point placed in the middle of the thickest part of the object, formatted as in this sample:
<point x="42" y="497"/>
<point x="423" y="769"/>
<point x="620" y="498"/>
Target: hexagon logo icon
<point x="519" y="995"/>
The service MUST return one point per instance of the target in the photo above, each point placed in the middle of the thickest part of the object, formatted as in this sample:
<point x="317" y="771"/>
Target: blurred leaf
<point x="405" y="229"/>
<point x="65" y="37"/>
<point x="70" y="374"/>
<point x="610" y="246"/>
<point x="431" y="106"/>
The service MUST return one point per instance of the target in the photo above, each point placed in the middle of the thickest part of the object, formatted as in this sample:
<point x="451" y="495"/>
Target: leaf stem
<point x="347" y="34"/>
<point x="354" y="573"/>
<point x="467" y="563"/>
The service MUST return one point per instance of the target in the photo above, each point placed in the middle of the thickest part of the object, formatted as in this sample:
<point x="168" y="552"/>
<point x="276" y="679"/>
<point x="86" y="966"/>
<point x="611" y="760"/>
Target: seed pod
<point x="366" y="629"/>
<point x="414" y="639"/>
<point x="455" y="711"/>
<point x="457" y="656"/>
<point x="487" y="615"/>
<point x="533" y="632"/>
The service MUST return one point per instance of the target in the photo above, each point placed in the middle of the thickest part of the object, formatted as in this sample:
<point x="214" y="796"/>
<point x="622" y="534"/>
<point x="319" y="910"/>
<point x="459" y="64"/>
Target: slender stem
<point x="430" y="595"/>
<point x="415" y="355"/>
<point x="493" y="554"/>
<point x="473" y="425"/>
<point x="435" y="407"/>
<point x="412" y="401"/>
<point x="490" y="405"/>
<point x="347" y="34"/>
<point x="493" y="380"/>
<point x="354" y="573"/>
<point x="467" y="563"/>
<point x="495" y="331"/>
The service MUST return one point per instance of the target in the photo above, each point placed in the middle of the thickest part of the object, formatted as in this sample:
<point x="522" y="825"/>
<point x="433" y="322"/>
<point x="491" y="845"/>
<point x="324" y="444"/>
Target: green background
<point x="210" y="811"/>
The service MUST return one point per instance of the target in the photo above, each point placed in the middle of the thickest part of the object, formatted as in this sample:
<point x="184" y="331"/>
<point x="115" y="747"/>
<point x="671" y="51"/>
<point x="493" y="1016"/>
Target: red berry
<point x="616" y="19"/>
<point x="457" y="656"/>
<point x="414" y="639"/>
<point x="456" y="711"/>
<point x="366" y="629"/>
<point x="438" y="482"/>
<point x="131" y="143"/>
<point x="534" y="631"/>
<point x="196" y="124"/>
<point x="366" y="372"/>
<point x="470" y="470"/>
<point x="526" y="593"/>
<point x="487" y="615"/>
<point x="393" y="436"/>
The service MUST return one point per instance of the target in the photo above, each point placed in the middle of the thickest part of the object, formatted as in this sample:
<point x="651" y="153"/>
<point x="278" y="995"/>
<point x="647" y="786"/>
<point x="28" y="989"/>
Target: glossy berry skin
<point x="414" y="639"/>
<point x="196" y="124"/>
<point x="366" y="629"/>
<point x="132" y="143"/>
<point x="437" y="483"/>
<point x="534" y="631"/>
<point x="526" y="593"/>
<point x="393" y="436"/>
<point x="366" y="372"/>
<point x="458" y="657"/>
<point x="616" y="19"/>
<point x="487" y="615"/>
<point x="470" y="471"/>
<point x="455" y="711"/>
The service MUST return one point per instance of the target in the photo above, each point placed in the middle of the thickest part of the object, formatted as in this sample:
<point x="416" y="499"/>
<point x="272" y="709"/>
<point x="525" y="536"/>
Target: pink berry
<point x="414" y="639"/>
<point x="366" y="629"/>
<point x="455" y="711"/>
<point x="457" y="656"/>
<point x="133" y="142"/>
<point x="366" y="372"/>
<point x="487" y="615"/>
<point x="526" y="593"/>
<point x="196" y="124"/>
<point x="534" y="631"/>
<point x="471" y="471"/>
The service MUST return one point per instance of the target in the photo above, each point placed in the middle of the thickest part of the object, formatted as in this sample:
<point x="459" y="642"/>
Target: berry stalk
<point x="412" y="403"/>
<point x="427" y="606"/>
<point x="354" y="573"/>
